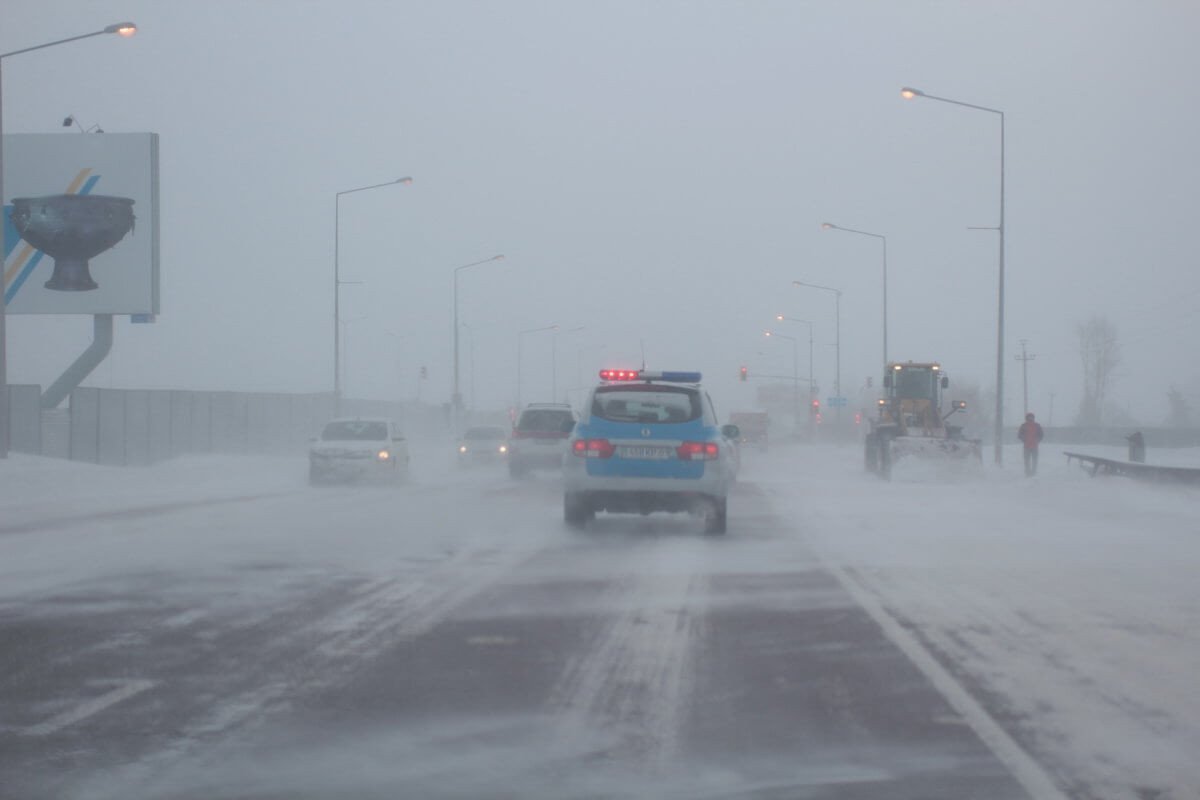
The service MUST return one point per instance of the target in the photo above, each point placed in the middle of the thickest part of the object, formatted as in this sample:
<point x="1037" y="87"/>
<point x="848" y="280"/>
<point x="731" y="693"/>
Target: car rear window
<point x="543" y="420"/>
<point x="354" y="430"/>
<point x="652" y="403"/>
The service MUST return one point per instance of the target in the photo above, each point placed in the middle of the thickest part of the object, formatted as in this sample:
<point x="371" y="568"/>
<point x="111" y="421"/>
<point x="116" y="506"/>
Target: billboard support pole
<point x="102" y="339"/>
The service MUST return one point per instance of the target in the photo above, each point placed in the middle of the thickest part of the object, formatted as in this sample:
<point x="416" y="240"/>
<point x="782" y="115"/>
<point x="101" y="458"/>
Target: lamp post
<point x="795" y="374"/>
<point x="829" y="226"/>
<point x="520" y="337"/>
<point x="337" y="286"/>
<point x="125" y="29"/>
<point x="456" y="399"/>
<point x="554" y="362"/>
<point x="909" y="93"/>
<point x="837" y="380"/>
<point x="782" y="318"/>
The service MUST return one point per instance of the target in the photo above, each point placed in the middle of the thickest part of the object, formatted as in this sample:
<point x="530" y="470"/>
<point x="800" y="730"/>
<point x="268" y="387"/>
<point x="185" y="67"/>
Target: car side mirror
<point x="731" y="431"/>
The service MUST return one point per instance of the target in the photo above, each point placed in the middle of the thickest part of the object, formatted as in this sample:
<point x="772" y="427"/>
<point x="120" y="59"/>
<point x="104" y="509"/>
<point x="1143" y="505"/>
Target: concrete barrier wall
<point x="25" y="418"/>
<point x="133" y="427"/>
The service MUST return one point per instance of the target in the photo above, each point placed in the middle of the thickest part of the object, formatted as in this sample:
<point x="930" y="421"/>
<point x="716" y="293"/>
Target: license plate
<point x="657" y="453"/>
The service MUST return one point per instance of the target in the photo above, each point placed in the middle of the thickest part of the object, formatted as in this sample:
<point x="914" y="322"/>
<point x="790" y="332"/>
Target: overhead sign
<point x="80" y="217"/>
<point x="835" y="402"/>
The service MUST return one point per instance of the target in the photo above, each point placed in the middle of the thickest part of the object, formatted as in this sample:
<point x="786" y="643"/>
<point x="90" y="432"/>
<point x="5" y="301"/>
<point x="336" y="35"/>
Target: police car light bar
<point x="618" y="374"/>
<point x="647" y="375"/>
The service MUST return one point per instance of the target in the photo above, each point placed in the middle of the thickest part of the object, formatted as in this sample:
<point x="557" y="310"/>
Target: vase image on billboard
<point x="72" y="228"/>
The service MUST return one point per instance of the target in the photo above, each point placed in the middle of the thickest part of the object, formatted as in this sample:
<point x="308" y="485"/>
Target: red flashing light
<point x="618" y="374"/>
<point x="593" y="448"/>
<point x="698" y="451"/>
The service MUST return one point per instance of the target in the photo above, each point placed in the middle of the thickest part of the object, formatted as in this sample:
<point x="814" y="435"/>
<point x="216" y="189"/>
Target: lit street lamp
<point x="782" y="318"/>
<point x="125" y="29"/>
<point x="456" y="398"/>
<point x="520" y="338"/>
<point x="795" y="374"/>
<point x="837" y="381"/>
<point x="909" y="93"/>
<point x="829" y="226"/>
<point x="337" y="286"/>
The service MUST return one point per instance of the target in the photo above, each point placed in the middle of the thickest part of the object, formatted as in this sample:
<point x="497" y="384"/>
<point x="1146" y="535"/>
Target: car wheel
<point x="714" y="518"/>
<point x="576" y="509"/>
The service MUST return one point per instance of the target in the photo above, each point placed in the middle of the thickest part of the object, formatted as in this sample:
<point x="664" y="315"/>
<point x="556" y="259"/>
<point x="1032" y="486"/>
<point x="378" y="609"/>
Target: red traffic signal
<point x="743" y="373"/>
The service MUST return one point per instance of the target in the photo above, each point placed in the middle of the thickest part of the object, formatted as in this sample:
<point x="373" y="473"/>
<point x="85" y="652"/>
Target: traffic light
<point x="743" y="373"/>
<point x="816" y="406"/>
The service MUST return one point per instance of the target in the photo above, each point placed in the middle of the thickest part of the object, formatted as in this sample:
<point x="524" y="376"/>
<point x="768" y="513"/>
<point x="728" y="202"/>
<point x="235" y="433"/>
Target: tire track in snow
<point x="634" y="680"/>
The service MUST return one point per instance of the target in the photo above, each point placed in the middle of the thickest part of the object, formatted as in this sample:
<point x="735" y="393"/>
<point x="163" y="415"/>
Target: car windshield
<point x="354" y="430"/>
<point x="484" y="433"/>
<point x="652" y="403"/>
<point x="543" y="420"/>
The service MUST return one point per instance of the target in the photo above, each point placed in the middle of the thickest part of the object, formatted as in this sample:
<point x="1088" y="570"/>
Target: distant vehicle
<point x="649" y="441"/>
<point x="483" y="444"/>
<point x="539" y="439"/>
<point x="358" y="449"/>
<point x="753" y="426"/>
<point x="911" y="423"/>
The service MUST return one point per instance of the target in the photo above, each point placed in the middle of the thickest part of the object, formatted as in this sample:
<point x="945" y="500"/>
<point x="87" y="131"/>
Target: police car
<point x="649" y="441"/>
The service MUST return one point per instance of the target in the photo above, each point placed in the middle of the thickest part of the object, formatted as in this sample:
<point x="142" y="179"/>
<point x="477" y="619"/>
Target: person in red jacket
<point x="1030" y="433"/>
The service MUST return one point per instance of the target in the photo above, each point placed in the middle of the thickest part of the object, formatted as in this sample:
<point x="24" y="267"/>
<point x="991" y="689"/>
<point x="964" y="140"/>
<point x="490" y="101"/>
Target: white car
<point x="358" y="449"/>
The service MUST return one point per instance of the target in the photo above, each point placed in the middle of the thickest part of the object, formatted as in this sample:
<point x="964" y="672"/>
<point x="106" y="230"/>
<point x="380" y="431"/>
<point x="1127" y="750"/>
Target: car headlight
<point x="383" y="455"/>
<point x="503" y="448"/>
<point x="462" y="448"/>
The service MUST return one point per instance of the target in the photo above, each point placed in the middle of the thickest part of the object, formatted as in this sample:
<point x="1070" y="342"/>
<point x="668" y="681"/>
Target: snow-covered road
<point x="213" y="627"/>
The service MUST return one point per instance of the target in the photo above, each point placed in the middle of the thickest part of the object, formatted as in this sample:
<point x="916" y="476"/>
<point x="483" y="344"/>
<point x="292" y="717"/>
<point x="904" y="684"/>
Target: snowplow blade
<point x="935" y="448"/>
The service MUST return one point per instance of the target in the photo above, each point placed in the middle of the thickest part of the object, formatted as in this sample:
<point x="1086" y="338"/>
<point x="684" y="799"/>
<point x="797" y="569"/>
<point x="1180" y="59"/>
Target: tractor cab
<point x="913" y="396"/>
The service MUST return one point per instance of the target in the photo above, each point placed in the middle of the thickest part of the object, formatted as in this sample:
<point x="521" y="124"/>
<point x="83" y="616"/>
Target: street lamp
<point x="829" y="226"/>
<point x="795" y="374"/>
<point x="456" y="399"/>
<point x="124" y="29"/>
<point x="909" y="93"/>
<point x="554" y="361"/>
<point x="337" y="285"/>
<point x="520" y="337"/>
<point x="837" y="381"/>
<point x="782" y="318"/>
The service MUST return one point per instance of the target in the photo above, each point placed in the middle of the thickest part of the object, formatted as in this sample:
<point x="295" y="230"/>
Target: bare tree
<point x="1101" y="354"/>
<point x="1180" y="415"/>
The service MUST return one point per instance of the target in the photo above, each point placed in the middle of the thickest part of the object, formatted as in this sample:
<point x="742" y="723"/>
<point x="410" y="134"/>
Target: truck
<point x="753" y="427"/>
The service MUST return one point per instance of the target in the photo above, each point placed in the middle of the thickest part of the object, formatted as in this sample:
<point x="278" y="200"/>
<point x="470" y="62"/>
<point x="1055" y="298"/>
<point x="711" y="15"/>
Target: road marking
<point x="126" y="690"/>
<point x="1028" y="772"/>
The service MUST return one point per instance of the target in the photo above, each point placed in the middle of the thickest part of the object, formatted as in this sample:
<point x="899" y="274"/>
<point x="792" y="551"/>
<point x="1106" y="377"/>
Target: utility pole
<point x="1025" y="358"/>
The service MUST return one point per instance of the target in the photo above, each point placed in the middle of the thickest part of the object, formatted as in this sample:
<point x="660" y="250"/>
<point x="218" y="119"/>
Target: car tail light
<point x="698" y="451"/>
<point x="593" y="448"/>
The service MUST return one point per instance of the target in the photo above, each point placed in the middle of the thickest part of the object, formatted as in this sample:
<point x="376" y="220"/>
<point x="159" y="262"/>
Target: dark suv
<point x="539" y="439"/>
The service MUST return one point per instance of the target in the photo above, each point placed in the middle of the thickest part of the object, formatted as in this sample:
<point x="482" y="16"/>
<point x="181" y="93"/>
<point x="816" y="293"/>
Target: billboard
<point x="81" y="223"/>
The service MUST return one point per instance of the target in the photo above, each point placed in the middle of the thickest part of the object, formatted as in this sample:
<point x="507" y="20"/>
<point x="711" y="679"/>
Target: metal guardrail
<point x="1097" y="465"/>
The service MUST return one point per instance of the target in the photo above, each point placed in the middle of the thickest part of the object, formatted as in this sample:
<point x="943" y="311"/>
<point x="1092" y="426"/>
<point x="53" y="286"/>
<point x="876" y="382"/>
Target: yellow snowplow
<point x="911" y="422"/>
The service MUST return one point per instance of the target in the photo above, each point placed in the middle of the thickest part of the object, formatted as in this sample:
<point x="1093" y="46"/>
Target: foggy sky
<point x="655" y="173"/>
